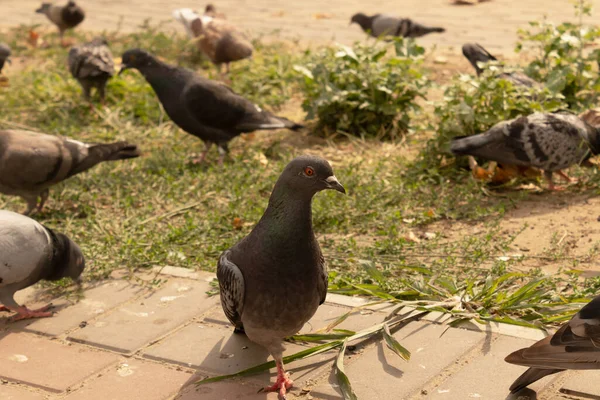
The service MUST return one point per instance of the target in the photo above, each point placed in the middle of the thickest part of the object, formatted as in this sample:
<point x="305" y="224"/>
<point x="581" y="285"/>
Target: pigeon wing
<point x="232" y="289"/>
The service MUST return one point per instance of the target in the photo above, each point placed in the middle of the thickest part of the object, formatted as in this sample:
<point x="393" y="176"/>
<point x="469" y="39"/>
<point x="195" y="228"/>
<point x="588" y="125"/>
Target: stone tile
<point x="48" y="364"/>
<point x="187" y="273"/>
<point x="227" y="390"/>
<point x="133" y="325"/>
<point x="582" y="384"/>
<point x="133" y="379"/>
<point x="14" y="392"/>
<point x="489" y="367"/>
<point x="326" y="314"/>
<point x="95" y="302"/>
<point x="215" y="349"/>
<point x="378" y="371"/>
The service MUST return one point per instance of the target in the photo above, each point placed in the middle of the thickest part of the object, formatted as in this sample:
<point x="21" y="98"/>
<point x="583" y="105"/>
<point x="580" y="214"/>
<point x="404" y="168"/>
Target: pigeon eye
<point x="308" y="171"/>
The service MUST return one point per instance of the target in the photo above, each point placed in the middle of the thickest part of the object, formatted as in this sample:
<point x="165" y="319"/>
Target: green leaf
<point x="393" y="344"/>
<point x="342" y="378"/>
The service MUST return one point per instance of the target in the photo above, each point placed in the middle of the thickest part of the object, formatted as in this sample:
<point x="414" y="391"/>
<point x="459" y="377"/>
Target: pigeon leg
<point x="102" y="92"/>
<point x="25" y="313"/>
<point x="31" y="204"/>
<point x="565" y="176"/>
<point x="4" y="308"/>
<point x="43" y="198"/>
<point x="201" y="159"/>
<point x="283" y="382"/>
<point x="551" y="186"/>
<point x="223" y="151"/>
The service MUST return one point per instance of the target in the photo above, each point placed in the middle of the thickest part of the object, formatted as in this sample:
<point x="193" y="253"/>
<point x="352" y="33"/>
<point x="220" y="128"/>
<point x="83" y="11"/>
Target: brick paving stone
<point x="494" y="375"/>
<point x="214" y="348"/>
<point x="133" y="379"/>
<point x="227" y="390"/>
<point x="379" y="372"/>
<point x="133" y="325"/>
<point x="14" y="392"/>
<point x="583" y="384"/>
<point x="326" y="314"/>
<point x="47" y="364"/>
<point x="180" y="272"/>
<point x="95" y="302"/>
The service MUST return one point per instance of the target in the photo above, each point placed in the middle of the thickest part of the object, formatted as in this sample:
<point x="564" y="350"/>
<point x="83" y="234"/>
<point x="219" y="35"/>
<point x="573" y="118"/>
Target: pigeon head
<point x="361" y="19"/>
<point x="44" y="8"/>
<point x="136" y="58"/>
<point x="210" y="8"/>
<point x="307" y="175"/>
<point x="99" y="41"/>
<point x="67" y="259"/>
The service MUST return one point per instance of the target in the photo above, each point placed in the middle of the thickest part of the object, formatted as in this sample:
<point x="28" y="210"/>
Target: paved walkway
<point x="493" y="23"/>
<point x="128" y="342"/>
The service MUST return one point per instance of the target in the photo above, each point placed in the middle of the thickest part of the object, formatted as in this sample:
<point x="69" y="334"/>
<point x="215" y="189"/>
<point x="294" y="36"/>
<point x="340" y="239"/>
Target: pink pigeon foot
<point x="4" y="308"/>
<point x="282" y="384"/>
<point x="25" y="313"/>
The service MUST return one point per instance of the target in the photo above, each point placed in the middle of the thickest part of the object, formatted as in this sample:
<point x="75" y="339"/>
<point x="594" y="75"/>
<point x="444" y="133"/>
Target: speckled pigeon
<point x="273" y="280"/>
<point x="4" y="55"/>
<point x="576" y="345"/>
<point x="204" y="108"/>
<point x="30" y="252"/>
<point x="30" y="162"/>
<point x="386" y="25"/>
<point x="92" y="65"/>
<point x="64" y="17"/>
<point x="477" y="56"/>
<point x="211" y="11"/>
<point x="550" y="142"/>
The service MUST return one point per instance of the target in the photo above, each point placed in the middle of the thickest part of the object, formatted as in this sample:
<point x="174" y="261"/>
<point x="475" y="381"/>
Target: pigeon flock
<point x="272" y="281"/>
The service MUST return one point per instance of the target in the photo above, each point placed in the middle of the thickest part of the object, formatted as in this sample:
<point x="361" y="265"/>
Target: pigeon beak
<point x="333" y="183"/>
<point x="123" y="68"/>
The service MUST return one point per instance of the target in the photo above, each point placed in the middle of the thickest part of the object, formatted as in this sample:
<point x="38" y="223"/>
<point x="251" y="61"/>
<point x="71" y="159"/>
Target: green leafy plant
<point x="562" y="63"/>
<point x="361" y="91"/>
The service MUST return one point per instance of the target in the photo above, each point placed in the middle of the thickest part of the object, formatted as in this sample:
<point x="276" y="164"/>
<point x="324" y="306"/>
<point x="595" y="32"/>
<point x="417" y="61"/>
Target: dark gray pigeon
<point x="204" y="108"/>
<point x="273" y="280"/>
<point x="550" y="142"/>
<point x="576" y="345"/>
<point x="4" y="55"/>
<point x="478" y="56"/>
<point x="64" y="17"/>
<point x="92" y="65"/>
<point x="30" y="162"/>
<point x="386" y="25"/>
<point x="30" y="252"/>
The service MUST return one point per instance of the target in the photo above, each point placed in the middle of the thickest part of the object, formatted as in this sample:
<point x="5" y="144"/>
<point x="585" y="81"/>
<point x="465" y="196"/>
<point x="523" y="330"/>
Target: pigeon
<point x="30" y="252"/>
<point x="386" y="25"/>
<point x="273" y="280"/>
<point x="548" y="141"/>
<point x="477" y="55"/>
<point x="218" y="39"/>
<point x="31" y="162"/>
<point x="211" y="11"/>
<point x="92" y="65"/>
<point x="64" y="17"/>
<point x="4" y="55"/>
<point x="576" y="345"/>
<point x="204" y="108"/>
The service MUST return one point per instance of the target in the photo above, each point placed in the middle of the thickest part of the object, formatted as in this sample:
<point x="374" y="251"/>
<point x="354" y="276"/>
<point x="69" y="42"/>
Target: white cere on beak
<point x="331" y="179"/>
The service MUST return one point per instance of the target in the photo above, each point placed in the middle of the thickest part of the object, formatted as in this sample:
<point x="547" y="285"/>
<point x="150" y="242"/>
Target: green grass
<point x="161" y="210"/>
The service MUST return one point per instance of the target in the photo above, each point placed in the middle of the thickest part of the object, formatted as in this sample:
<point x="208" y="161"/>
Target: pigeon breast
<point x="24" y="245"/>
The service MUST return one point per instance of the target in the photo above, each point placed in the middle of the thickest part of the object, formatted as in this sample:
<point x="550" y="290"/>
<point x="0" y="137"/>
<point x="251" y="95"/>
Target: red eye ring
<point x="308" y="171"/>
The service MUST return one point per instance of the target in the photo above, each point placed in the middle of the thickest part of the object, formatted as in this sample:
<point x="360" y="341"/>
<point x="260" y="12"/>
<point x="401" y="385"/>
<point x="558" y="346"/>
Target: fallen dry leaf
<point x="238" y="223"/>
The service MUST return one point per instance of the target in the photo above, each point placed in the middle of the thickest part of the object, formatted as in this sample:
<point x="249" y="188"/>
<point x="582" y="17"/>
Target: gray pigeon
<point x="477" y="55"/>
<point x="30" y="252"/>
<point x="31" y="162"/>
<point x="4" y="55"/>
<point x="92" y="65"/>
<point x="576" y="345"/>
<point x="64" y="17"/>
<point x="273" y="280"/>
<point x="204" y="108"/>
<point x="550" y="142"/>
<point x="386" y="25"/>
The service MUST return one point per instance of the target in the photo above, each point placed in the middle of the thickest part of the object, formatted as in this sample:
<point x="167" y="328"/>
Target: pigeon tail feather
<point x="530" y="376"/>
<point x="465" y="145"/>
